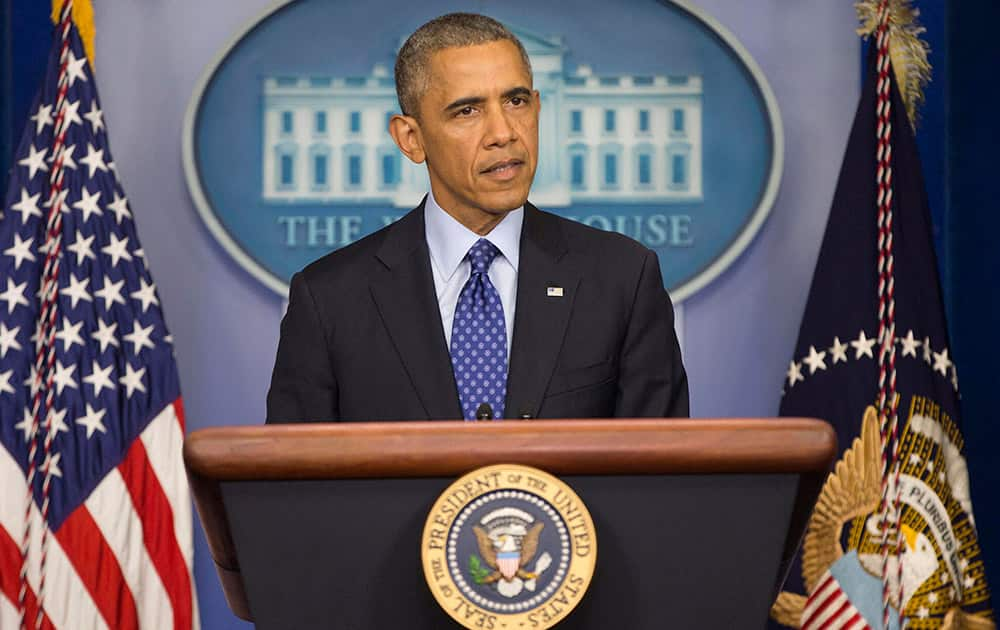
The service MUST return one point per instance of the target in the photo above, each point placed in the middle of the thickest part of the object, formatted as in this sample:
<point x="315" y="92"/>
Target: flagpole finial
<point x="907" y="51"/>
<point x="83" y="17"/>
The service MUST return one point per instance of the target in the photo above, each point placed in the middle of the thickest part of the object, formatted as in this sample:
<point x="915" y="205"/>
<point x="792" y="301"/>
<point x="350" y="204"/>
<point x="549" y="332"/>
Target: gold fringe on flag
<point x="83" y="17"/>
<point x="907" y="51"/>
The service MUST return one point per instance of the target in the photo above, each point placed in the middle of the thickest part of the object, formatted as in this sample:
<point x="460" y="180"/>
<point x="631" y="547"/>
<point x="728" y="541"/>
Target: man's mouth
<point x="503" y="168"/>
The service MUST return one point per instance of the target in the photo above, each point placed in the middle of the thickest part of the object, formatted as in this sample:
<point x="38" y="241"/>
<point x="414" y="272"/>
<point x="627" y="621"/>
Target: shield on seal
<point x="508" y="562"/>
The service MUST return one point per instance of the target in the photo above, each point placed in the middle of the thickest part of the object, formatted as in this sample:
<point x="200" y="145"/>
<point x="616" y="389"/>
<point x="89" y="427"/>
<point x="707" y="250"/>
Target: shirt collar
<point x="449" y="241"/>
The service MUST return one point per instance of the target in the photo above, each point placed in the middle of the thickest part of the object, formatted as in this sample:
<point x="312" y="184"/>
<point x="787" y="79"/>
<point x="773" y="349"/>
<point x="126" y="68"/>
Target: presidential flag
<point x="892" y="542"/>
<point x="95" y="516"/>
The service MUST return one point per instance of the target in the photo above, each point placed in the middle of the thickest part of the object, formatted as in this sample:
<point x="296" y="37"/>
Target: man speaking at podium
<point x="476" y="304"/>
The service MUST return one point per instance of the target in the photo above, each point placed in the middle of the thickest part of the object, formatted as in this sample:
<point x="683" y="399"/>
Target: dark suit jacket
<point x="362" y="338"/>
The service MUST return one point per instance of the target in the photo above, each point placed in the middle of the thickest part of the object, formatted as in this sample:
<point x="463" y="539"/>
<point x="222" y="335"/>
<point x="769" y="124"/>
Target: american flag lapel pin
<point x="554" y="291"/>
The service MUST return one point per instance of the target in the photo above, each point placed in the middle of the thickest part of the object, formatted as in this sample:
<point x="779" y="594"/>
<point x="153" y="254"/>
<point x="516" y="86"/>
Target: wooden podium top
<point x="562" y="447"/>
<point x="451" y="448"/>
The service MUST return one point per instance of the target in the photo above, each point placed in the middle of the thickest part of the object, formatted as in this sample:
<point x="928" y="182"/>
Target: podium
<point x="319" y="525"/>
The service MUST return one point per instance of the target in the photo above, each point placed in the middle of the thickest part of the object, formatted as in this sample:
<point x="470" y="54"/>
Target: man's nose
<point x="499" y="131"/>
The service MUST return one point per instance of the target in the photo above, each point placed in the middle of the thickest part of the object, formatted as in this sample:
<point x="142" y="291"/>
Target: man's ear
<point x="405" y="131"/>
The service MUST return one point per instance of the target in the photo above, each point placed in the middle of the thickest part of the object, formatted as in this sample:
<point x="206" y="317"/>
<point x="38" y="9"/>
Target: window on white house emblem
<point x="577" y="166"/>
<point x="354" y="170"/>
<point x="643" y="120"/>
<point x="389" y="165"/>
<point x="645" y="169"/>
<point x="678" y="122"/>
<point x="320" y="170"/>
<point x="678" y="175"/>
<point x="287" y="170"/>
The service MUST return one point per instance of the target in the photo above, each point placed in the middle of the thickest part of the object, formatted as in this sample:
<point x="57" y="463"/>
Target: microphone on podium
<point x="484" y="412"/>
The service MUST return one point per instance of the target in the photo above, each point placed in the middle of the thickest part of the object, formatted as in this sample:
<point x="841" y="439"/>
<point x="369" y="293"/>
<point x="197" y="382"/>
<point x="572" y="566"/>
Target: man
<point x="476" y="304"/>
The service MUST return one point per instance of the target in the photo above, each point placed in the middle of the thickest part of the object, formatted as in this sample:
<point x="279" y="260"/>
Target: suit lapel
<point x="540" y="319"/>
<point x="404" y="293"/>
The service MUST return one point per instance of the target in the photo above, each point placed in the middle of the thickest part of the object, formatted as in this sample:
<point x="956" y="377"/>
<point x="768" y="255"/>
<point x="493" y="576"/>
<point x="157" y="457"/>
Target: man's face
<point x="478" y="123"/>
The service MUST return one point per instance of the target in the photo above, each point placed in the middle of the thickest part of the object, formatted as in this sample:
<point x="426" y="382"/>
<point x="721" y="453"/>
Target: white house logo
<point x="671" y="137"/>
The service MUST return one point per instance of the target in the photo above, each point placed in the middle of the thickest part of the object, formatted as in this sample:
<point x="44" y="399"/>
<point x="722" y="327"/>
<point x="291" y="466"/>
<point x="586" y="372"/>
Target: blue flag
<point x="834" y="375"/>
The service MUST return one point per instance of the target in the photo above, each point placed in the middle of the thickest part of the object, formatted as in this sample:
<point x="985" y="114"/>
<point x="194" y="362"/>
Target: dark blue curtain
<point x="957" y="134"/>
<point x="25" y="37"/>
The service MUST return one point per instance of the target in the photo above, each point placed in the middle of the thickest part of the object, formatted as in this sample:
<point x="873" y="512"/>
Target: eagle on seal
<point x="503" y="555"/>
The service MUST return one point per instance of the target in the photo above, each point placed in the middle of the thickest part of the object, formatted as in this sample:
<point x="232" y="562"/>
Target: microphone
<point x="484" y="412"/>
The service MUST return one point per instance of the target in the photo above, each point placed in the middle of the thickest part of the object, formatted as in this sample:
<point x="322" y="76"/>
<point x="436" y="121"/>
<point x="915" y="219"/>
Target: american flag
<point x="88" y="383"/>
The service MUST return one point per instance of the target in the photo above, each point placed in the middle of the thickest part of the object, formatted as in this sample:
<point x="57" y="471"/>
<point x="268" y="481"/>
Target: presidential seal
<point x="508" y="546"/>
<point x="942" y="583"/>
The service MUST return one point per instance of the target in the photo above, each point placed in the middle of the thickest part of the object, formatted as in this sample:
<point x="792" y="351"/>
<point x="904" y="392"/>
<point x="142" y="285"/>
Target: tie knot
<point x="481" y="255"/>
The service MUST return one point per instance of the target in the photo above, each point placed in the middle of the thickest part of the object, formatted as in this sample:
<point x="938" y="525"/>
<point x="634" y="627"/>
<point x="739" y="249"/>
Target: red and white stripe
<point x="123" y="558"/>
<point x="66" y="600"/>
<point x="829" y="608"/>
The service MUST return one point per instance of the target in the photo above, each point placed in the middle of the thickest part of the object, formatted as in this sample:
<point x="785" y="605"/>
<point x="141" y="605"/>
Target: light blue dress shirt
<point x="449" y="241"/>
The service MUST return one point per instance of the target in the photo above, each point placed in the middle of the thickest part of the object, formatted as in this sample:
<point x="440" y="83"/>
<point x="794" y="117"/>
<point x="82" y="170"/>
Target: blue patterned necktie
<point x="479" y="337"/>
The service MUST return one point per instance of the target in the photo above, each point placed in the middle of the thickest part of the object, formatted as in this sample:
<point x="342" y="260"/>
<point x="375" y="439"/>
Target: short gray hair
<point x="453" y="30"/>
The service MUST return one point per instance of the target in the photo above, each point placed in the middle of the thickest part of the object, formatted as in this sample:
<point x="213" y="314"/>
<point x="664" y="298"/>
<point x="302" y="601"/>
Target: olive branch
<point x="476" y="569"/>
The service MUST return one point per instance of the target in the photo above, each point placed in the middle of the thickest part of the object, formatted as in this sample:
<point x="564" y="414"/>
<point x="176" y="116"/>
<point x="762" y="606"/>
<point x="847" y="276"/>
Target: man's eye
<point x="517" y="101"/>
<point x="466" y="111"/>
